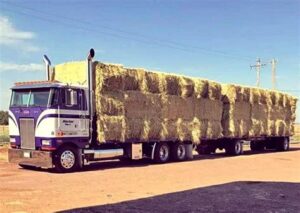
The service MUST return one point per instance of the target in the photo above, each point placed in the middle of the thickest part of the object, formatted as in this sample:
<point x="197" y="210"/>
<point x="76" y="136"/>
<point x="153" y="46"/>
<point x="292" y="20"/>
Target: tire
<point x="257" y="146"/>
<point x="162" y="153"/>
<point x="234" y="148"/>
<point x="66" y="159"/>
<point x="178" y="152"/>
<point x="283" y="144"/>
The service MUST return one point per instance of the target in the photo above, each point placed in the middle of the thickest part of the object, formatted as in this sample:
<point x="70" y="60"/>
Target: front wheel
<point x="66" y="159"/>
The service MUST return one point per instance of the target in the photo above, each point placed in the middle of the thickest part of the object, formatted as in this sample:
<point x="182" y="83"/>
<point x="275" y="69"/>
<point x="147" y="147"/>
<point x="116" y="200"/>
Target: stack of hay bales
<point x="236" y="119"/>
<point x="138" y="105"/>
<point x="282" y="114"/>
<point x="254" y="112"/>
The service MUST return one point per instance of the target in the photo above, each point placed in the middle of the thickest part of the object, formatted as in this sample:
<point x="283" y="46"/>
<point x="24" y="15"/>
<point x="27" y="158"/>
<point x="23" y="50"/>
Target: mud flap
<point x="189" y="151"/>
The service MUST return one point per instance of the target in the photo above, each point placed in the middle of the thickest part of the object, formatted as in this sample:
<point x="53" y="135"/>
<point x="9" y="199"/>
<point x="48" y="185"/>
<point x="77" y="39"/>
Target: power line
<point x="43" y="18"/>
<point x="160" y="42"/>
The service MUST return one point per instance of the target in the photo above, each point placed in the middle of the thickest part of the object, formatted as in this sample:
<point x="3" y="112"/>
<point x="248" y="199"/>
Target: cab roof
<point x="40" y="85"/>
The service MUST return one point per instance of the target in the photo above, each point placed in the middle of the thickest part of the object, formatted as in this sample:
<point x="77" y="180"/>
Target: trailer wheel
<point x="178" y="152"/>
<point x="234" y="148"/>
<point x="66" y="159"/>
<point x="162" y="153"/>
<point x="257" y="146"/>
<point x="283" y="144"/>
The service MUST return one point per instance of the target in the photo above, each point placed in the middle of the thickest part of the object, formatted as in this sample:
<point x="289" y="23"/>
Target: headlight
<point x="46" y="142"/>
<point x="12" y="140"/>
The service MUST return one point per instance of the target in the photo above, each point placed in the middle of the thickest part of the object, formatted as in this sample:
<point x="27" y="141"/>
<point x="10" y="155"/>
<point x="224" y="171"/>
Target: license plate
<point x="27" y="154"/>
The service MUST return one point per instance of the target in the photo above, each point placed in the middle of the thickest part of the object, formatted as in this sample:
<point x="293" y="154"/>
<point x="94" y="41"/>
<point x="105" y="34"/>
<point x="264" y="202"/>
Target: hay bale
<point x="208" y="109"/>
<point x="140" y="105"/>
<point x="153" y="82"/>
<point x="271" y="98"/>
<point x="279" y="99"/>
<point x="245" y="91"/>
<point x="151" y="130"/>
<point x="183" y="130"/>
<point x="187" y="87"/>
<point x="254" y="96"/>
<point x="110" y="128"/>
<point x="72" y="72"/>
<point x="236" y="118"/>
<point x="169" y="130"/>
<point x="172" y="85"/>
<point x="214" y="90"/>
<point x="259" y="112"/>
<point x="110" y="106"/>
<point x="201" y="88"/>
<point x="214" y="129"/>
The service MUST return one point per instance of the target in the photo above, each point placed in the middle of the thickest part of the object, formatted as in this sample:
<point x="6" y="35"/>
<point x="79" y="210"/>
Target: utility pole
<point x="258" y="66"/>
<point x="274" y="63"/>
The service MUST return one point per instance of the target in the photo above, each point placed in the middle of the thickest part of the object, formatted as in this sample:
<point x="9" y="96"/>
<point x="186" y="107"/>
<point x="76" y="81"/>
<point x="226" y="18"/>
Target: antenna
<point x="258" y="66"/>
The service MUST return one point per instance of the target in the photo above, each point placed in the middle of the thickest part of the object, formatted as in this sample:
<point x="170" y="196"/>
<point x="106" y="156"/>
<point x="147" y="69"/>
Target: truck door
<point x="70" y="112"/>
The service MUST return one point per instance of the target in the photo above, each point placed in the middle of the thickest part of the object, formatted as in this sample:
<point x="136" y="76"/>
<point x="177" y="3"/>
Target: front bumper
<point x="30" y="158"/>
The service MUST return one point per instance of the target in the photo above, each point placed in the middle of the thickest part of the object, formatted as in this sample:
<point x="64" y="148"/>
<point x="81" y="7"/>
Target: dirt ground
<point x="260" y="182"/>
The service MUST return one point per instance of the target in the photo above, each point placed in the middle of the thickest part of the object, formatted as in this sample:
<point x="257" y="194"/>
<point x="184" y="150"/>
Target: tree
<point x="3" y="117"/>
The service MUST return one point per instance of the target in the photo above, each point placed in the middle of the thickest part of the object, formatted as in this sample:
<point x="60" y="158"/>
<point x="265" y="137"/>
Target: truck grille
<point x="27" y="133"/>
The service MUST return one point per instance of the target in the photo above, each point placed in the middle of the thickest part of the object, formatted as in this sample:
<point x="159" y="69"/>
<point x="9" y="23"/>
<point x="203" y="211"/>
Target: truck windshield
<point x="28" y="98"/>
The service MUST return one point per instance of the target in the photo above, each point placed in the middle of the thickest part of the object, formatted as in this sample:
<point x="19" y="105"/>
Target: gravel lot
<point x="260" y="182"/>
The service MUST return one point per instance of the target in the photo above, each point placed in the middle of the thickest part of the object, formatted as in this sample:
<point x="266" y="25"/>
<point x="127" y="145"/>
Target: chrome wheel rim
<point x="67" y="159"/>
<point x="164" y="153"/>
<point x="181" y="151"/>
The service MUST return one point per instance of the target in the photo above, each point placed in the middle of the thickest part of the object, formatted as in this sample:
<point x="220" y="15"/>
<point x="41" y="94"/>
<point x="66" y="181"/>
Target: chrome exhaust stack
<point x="48" y="67"/>
<point x="91" y="92"/>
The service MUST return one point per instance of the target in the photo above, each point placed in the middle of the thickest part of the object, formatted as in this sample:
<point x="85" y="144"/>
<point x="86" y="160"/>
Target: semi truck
<point x="52" y="125"/>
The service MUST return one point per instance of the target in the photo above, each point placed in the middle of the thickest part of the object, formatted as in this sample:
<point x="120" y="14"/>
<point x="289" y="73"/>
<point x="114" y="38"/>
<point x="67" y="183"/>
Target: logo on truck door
<point x="67" y="122"/>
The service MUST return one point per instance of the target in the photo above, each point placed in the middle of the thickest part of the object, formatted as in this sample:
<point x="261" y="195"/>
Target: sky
<point x="215" y="39"/>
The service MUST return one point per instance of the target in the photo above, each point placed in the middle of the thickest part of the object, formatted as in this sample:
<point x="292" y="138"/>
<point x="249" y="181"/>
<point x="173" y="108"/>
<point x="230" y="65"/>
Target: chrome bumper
<point x="30" y="158"/>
